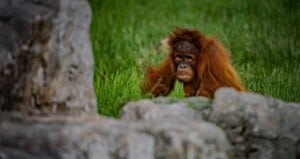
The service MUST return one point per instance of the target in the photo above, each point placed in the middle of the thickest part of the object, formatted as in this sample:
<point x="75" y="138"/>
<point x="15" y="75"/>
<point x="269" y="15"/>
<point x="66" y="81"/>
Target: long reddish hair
<point x="213" y="67"/>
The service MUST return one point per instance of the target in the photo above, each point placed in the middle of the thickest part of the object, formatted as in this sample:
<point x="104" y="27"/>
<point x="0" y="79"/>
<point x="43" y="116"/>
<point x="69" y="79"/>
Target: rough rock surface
<point x="46" y="62"/>
<point x="258" y="127"/>
<point x="255" y="126"/>
<point x="86" y="137"/>
<point x="161" y="108"/>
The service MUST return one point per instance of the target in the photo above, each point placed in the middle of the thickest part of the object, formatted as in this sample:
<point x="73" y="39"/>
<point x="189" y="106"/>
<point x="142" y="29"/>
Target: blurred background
<point x="262" y="36"/>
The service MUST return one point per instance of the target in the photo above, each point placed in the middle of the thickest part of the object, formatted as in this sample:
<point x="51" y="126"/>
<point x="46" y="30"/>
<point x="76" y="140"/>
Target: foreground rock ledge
<point x="86" y="137"/>
<point x="256" y="127"/>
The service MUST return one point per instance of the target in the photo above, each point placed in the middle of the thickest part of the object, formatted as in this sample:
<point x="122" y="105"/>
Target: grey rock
<point x="64" y="137"/>
<point x="46" y="60"/>
<point x="162" y="108"/>
<point x="186" y="124"/>
<point x="255" y="126"/>
<point x="258" y="127"/>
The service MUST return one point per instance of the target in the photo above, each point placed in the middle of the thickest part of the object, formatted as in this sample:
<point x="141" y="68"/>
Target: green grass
<point x="263" y="36"/>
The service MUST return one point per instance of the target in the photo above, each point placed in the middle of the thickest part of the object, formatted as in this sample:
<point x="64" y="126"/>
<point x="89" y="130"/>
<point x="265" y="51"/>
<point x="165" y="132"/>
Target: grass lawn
<point x="263" y="37"/>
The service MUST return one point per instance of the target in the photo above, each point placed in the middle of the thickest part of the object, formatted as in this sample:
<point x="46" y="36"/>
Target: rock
<point x="178" y="115"/>
<point x="64" y="137"/>
<point x="258" y="127"/>
<point x="162" y="108"/>
<point x="255" y="126"/>
<point x="46" y="62"/>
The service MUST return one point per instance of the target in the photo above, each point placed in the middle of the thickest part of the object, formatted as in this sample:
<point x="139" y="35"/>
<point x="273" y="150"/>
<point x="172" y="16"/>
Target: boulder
<point x="162" y="108"/>
<point x="89" y="137"/>
<point x="233" y="125"/>
<point x="258" y="127"/>
<point x="46" y="60"/>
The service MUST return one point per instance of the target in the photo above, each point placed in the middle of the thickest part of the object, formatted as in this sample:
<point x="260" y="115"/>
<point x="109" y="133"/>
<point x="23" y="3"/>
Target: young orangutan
<point x="202" y="64"/>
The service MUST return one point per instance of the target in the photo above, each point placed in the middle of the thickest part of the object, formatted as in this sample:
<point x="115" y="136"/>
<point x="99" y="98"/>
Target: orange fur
<point x="160" y="80"/>
<point x="213" y="68"/>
